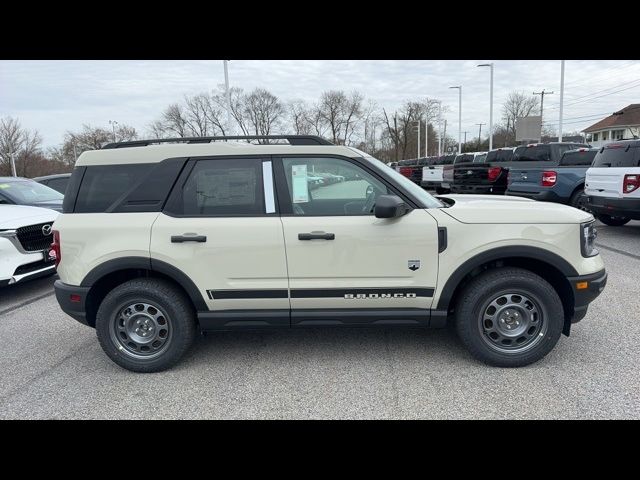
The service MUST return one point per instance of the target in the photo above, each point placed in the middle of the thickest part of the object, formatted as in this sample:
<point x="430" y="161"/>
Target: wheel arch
<point x="106" y="276"/>
<point x="544" y="263"/>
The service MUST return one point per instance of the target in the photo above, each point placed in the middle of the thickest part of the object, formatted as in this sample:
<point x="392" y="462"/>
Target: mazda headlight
<point x="588" y="234"/>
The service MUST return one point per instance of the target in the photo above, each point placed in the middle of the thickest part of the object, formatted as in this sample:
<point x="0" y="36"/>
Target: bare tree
<point x="262" y="111"/>
<point x="25" y="146"/>
<point x="300" y="116"/>
<point x="340" y="113"/>
<point x="517" y="105"/>
<point x="91" y="138"/>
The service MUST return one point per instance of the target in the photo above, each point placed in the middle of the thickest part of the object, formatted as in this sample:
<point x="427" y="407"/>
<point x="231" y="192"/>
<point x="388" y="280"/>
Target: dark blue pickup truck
<point x="562" y="183"/>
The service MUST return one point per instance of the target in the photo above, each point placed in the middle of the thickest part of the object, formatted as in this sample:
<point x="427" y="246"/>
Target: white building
<point x="622" y="125"/>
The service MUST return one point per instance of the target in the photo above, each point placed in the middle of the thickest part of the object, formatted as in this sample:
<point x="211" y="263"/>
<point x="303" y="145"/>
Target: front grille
<point x="32" y="267"/>
<point x="32" y="239"/>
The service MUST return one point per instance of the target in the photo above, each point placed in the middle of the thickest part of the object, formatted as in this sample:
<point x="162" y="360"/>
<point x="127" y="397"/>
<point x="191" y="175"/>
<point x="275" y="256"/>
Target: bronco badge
<point x="414" y="265"/>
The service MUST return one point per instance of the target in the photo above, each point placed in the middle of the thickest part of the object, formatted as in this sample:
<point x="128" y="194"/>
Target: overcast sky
<point x="56" y="96"/>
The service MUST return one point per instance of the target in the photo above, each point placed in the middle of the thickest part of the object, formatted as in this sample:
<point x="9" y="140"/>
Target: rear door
<point x="220" y="227"/>
<point x="606" y="175"/>
<point x="345" y="265"/>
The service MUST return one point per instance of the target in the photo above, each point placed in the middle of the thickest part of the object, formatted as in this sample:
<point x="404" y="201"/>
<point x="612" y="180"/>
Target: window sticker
<point x="299" y="183"/>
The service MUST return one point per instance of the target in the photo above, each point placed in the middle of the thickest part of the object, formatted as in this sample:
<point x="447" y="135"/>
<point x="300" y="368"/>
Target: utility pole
<point x="418" y="138"/>
<point x="13" y="163"/>
<point x="75" y="154"/>
<point x="228" y="94"/>
<point x="465" y="138"/>
<point x="479" y="133"/>
<point x="542" y="94"/>
<point x="561" y="99"/>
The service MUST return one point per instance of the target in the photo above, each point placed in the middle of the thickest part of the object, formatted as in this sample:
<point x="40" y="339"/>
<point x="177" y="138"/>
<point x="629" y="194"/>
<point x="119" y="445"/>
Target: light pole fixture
<point x="490" y="105"/>
<point x="113" y="124"/>
<point x="228" y="95"/>
<point x="459" y="87"/>
<point x="418" y="122"/>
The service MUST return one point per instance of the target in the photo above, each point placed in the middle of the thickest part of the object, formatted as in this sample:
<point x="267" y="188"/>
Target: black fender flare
<point x="147" y="263"/>
<point x="533" y="253"/>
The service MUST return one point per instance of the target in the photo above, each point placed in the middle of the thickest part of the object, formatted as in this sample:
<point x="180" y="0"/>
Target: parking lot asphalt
<point x="53" y="367"/>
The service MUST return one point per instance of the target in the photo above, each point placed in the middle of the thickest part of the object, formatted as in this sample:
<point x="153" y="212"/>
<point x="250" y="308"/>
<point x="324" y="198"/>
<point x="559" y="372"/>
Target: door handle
<point x="316" y="236"/>
<point x="188" y="238"/>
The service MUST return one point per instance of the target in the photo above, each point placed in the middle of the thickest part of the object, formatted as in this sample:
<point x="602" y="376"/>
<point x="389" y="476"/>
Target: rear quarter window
<point x="617" y="157"/>
<point x="103" y="185"/>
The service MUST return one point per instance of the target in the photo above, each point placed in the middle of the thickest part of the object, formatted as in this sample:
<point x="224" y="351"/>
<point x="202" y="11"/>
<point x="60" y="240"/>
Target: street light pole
<point x="490" y="105"/>
<point x="228" y="94"/>
<point x="418" y="139"/>
<point x="561" y="99"/>
<point x="440" y="128"/>
<point x="479" y="133"/>
<point x="13" y="163"/>
<point x="459" y="87"/>
<point x="113" y="124"/>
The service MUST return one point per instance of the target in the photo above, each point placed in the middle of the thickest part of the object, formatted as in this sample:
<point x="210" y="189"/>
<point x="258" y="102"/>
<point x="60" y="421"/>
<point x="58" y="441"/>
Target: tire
<point x="145" y="325"/>
<point x="578" y="200"/>
<point x="542" y="323"/>
<point x="613" y="221"/>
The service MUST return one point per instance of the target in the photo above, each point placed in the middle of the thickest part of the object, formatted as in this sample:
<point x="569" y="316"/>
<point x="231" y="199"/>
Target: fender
<point x="499" y="253"/>
<point x="146" y="263"/>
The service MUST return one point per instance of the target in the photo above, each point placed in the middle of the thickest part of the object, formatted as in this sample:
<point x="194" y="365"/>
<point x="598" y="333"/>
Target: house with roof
<point x="621" y="125"/>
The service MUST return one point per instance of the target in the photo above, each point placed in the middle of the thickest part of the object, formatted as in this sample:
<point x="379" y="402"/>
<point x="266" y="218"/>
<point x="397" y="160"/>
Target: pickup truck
<point x="563" y="183"/>
<point x="458" y="160"/>
<point x="432" y="173"/>
<point x="490" y="177"/>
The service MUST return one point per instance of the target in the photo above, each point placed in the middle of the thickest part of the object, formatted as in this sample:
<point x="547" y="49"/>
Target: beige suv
<point x="161" y="239"/>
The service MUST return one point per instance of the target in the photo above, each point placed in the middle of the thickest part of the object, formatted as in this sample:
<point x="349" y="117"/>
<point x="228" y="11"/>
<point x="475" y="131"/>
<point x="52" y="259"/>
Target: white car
<point x="612" y="184"/>
<point x="25" y="238"/>
<point x="159" y="240"/>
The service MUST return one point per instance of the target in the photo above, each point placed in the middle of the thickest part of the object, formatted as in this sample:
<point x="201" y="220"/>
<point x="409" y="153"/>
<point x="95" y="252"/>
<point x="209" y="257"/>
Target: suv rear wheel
<point x="613" y="221"/>
<point x="145" y="325"/>
<point x="579" y="200"/>
<point x="509" y="317"/>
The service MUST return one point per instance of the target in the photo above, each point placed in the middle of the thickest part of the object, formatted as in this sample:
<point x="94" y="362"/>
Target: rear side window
<point x="578" y="158"/>
<point x="537" y="153"/>
<point x="499" y="156"/>
<point x="103" y="185"/>
<point x="221" y="188"/>
<point x="617" y="157"/>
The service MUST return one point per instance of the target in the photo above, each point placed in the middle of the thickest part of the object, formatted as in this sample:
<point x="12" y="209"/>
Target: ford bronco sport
<point x="161" y="239"/>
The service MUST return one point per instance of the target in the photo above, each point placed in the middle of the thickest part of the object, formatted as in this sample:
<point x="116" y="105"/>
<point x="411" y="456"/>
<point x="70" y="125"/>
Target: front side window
<point x="330" y="187"/>
<point x="222" y="188"/>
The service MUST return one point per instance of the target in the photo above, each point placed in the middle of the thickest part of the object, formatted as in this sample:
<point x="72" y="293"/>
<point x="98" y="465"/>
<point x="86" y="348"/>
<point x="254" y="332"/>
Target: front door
<point x="345" y="265"/>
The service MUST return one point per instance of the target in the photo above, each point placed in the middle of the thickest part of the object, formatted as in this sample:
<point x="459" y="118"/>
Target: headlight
<point x="588" y="234"/>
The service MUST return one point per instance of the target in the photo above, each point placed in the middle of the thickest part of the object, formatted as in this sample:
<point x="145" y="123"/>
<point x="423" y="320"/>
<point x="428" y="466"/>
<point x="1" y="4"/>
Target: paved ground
<point x="53" y="367"/>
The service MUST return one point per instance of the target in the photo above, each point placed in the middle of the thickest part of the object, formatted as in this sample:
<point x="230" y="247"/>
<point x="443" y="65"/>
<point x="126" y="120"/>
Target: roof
<point x="157" y="153"/>
<point x="627" y="117"/>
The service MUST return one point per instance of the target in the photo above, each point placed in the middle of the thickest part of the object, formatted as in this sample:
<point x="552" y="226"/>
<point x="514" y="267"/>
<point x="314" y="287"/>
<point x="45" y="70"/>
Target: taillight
<point x="54" y="250"/>
<point x="549" y="178"/>
<point x="494" y="173"/>
<point x="630" y="183"/>
<point x="406" y="171"/>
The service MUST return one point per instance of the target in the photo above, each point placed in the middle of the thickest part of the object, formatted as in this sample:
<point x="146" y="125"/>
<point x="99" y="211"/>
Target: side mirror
<point x="390" y="206"/>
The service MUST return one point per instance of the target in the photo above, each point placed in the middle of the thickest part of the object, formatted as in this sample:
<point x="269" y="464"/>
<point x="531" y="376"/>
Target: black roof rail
<point x="292" y="139"/>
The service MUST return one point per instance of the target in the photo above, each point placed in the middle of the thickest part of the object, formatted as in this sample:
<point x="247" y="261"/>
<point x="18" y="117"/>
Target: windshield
<point x="27" y="191"/>
<point x="426" y="198"/>
<point x="480" y="158"/>
<point x="464" y="158"/>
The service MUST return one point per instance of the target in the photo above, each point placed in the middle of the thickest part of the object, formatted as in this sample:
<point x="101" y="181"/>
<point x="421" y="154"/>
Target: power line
<point x="597" y="96"/>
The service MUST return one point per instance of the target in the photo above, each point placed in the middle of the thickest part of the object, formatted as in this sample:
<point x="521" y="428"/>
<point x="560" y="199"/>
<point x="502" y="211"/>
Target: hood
<point x="507" y="209"/>
<point x="16" y="216"/>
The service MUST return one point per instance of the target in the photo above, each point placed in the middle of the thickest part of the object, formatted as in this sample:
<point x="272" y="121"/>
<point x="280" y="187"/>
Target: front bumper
<point x="18" y="265"/>
<point x="72" y="300"/>
<point x="586" y="289"/>
<point x="616" y="207"/>
<point x="478" y="189"/>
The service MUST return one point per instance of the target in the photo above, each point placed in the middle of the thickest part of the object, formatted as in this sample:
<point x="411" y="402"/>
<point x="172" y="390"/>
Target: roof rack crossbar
<point x="292" y="139"/>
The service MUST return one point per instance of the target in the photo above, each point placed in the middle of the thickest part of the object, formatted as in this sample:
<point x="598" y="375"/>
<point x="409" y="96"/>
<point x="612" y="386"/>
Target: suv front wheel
<point x="509" y="317"/>
<point x="145" y="325"/>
